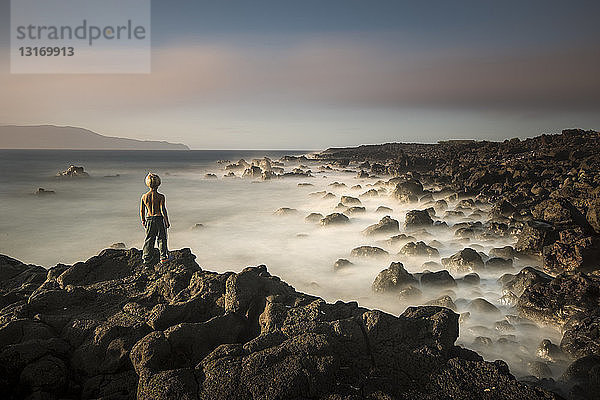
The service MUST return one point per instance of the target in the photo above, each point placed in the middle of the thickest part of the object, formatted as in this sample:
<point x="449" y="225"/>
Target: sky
<point x="315" y="74"/>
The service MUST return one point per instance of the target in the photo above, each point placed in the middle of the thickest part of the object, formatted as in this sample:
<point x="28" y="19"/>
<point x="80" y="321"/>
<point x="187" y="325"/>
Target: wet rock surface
<point x="110" y="328"/>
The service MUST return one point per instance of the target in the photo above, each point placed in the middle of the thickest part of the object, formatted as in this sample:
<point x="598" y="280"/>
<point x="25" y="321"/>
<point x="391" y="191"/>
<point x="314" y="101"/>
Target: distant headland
<point x="68" y="137"/>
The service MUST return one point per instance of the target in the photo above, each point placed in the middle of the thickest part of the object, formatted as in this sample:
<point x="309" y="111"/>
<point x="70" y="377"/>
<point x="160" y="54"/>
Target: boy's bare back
<point x="154" y="203"/>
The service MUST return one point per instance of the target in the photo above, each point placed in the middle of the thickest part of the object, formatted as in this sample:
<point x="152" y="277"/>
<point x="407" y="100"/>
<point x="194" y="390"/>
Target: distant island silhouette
<point x="68" y="137"/>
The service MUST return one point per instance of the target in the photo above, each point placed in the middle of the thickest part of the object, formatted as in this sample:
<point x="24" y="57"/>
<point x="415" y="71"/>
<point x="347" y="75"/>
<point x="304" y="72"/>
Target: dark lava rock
<point x="313" y="218"/>
<point x="370" y="193"/>
<point x="341" y="263"/>
<point x="539" y="369"/>
<point x="583" y="376"/>
<point x="386" y="225"/>
<point x="419" y="249"/>
<point x="471" y="279"/>
<point x="582" y="338"/>
<point x="440" y="205"/>
<point x="43" y="192"/>
<point x="548" y="351"/>
<point x="466" y="260"/>
<point x="109" y="328"/>
<point x="574" y="255"/>
<point x="443" y="301"/>
<point x="368" y="252"/>
<point x="408" y="191"/>
<point x="499" y="263"/>
<point x="429" y="265"/>
<point x="355" y="210"/>
<point x="507" y="252"/>
<point x="392" y="279"/>
<point x="593" y="214"/>
<point x="482" y="306"/>
<point x="557" y="300"/>
<point x="283" y="211"/>
<point x="409" y="294"/>
<point x="534" y="236"/>
<point x="73" y="172"/>
<point x="335" y="219"/>
<point x="17" y="280"/>
<point x="350" y="201"/>
<point x="417" y="219"/>
<point x="383" y="210"/>
<point x="526" y="277"/>
<point x="439" y="279"/>
<point x="503" y="208"/>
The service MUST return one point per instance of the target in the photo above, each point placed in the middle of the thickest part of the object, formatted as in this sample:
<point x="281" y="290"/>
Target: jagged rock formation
<point x="108" y="328"/>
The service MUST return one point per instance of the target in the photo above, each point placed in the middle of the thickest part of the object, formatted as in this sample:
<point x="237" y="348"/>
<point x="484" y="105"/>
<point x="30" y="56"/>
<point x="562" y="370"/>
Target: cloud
<point x="324" y="71"/>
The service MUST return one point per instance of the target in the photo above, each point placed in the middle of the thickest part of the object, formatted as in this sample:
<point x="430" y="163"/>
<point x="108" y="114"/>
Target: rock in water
<point x="283" y="211"/>
<point x="335" y="219"/>
<point x="482" y="306"/>
<point x="313" y="218"/>
<point x="392" y="279"/>
<point x="368" y="252"/>
<point x="419" y="249"/>
<point x="73" y="172"/>
<point x="341" y="263"/>
<point x="386" y="225"/>
<point x="350" y="201"/>
<point x="439" y="279"/>
<point x="466" y="260"/>
<point x="417" y="219"/>
<point x="43" y="192"/>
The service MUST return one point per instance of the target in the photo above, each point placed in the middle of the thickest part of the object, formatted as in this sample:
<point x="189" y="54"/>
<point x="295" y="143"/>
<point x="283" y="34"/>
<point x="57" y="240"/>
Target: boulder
<point x="334" y="219"/>
<point x="355" y="210"/>
<point x="471" y="279"/>
<point x="507" y="252"/>
<point x="285" y="211"/>
<point x="497" y="263"/>
<point x="417" y="219"/>
<point x="572" y="255"/>
<point x="369" y="252"/>
<point x="408" y="191"/>
<point x="593" y="214"/>
<point x="443" y="301"/>
<point x="392" y="279"/>
<point x="582" y="338"/>
<point x="526" y="277"/>
<point x="534" y="236"/>
<point x="560" y="299"/>
<point x="439" y="279"/>
<point x="350" y="201"/>
<point x="483" y="306"/>
<point x="73" y="172"/>
<point x="386" y="225"/>
<point x="467" y="260"/>
<point x="313" y="218"/>
<point x="418" y="249"/>
<point x="341" y="263"/>
<point x="548" y="351"/>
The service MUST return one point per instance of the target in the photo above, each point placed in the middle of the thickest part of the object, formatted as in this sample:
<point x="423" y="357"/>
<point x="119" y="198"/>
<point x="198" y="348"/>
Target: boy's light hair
<point x="152" y="180"/>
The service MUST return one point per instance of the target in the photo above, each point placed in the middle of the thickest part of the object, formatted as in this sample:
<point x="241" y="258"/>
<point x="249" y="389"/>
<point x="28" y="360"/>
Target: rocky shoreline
<point x="108" y="328"/>
<point x="467" y="211"/>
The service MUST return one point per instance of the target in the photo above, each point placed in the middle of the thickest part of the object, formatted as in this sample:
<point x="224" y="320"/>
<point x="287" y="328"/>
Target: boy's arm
<point x="142" y="210"/>
<point x="163" y="210"/>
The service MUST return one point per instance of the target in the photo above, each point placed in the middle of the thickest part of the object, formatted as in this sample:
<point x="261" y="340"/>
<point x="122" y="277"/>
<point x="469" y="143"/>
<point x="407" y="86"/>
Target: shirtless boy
<point x="153" y="212"/>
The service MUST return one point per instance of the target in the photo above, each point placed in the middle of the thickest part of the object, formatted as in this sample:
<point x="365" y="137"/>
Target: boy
<point x="156" y="221"/>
